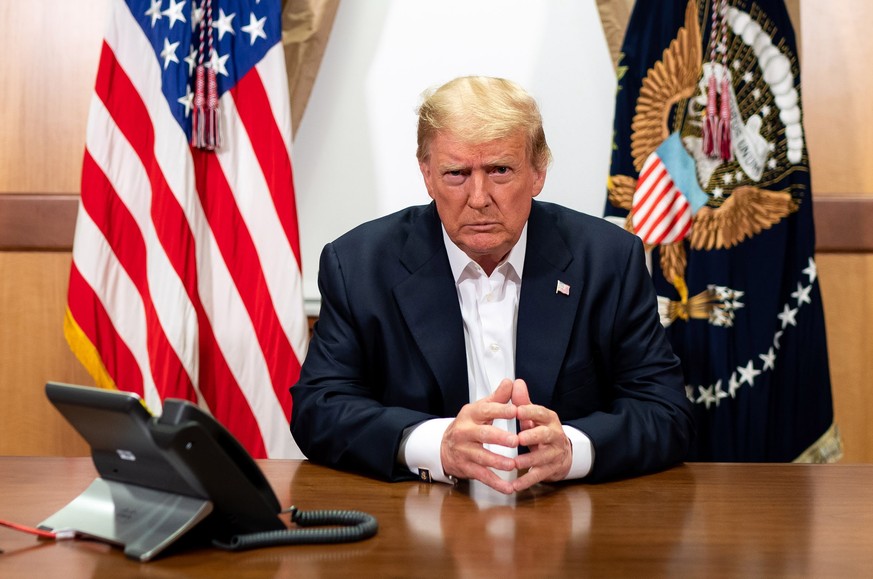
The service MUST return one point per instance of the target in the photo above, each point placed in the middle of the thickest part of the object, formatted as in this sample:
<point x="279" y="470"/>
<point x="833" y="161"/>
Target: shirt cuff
<point x="420" y="450"/>
<point x="583" y="453"/>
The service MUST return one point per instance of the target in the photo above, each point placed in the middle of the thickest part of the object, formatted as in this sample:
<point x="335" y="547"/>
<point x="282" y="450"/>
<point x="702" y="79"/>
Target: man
<point x="487" y="334"/>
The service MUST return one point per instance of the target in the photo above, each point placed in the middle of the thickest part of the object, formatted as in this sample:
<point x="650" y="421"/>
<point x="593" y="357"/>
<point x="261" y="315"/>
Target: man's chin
<point x="479" y="249"/>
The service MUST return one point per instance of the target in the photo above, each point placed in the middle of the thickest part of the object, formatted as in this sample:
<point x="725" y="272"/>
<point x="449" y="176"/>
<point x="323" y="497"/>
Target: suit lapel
<point x="428" y="301"/>
<point x="545" y="315"/>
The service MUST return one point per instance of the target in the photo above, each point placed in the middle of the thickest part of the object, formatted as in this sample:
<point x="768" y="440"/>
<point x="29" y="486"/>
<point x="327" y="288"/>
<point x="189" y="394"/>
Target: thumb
<point x="520" y="395"/>
<point x="503" y="393"/>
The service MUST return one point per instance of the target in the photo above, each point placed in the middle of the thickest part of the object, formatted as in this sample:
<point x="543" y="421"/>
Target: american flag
<point x="186" y="278"/>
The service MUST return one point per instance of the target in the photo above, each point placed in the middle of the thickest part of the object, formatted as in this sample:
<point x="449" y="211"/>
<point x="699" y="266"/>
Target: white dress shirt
<point x="489" y="308"/>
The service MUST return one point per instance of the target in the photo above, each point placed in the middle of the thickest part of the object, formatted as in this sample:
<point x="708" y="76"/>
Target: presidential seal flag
<point x="185" y="280"/>
<point x="710" y="169"/>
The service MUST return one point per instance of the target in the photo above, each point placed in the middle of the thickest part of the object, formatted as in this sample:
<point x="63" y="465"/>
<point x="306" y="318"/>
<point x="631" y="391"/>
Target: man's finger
<point x="520" y="395"/>
<point x="503" y="392"/>
<point x="521" y="399"/>
<point x="488" y="434"/>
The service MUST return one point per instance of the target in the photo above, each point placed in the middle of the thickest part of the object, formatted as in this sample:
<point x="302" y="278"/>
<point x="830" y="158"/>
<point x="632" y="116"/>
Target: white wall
<point x="354" y="152"/>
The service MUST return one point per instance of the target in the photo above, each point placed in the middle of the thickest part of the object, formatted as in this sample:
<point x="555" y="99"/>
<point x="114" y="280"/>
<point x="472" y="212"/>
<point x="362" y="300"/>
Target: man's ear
<point x="539" y="182"/>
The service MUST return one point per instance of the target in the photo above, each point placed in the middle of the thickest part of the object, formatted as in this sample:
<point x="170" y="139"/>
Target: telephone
<point x="179" y="474"/>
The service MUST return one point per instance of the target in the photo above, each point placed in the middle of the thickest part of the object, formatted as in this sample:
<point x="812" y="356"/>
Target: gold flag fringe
<point x="827" y="449"/>
<point x="86" y="353"/>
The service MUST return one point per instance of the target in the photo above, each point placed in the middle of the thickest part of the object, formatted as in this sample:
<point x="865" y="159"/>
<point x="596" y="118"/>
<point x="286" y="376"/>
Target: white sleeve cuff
<point x="583" y="453"/>
<point x="421" y="449"/>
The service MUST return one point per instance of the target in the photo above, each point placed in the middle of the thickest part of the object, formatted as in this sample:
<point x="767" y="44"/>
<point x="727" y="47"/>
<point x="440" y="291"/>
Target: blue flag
<point x="708" y="105"/>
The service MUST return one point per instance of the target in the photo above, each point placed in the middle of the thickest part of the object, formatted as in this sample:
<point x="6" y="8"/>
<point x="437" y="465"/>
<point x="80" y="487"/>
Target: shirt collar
<point x="458" y="260"/>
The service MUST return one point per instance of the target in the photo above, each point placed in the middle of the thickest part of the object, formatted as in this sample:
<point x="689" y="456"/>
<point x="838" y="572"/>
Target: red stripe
<point x="651" y="184"/>
<point x="651" y="164"/>
<point x="243" y="262"/>
<point x="678" y="211"/>
<point x="216" y="383"/>
<point x="665" y="190"/>
<point x="112" y="217"/>
<point x="227" y="403"/>
<point x="254" y="111"/>
<point x="255" y="114"/>
<point x="684" y="232"/>
<point x="664" y="213"/>
<point x="92" y="318"/>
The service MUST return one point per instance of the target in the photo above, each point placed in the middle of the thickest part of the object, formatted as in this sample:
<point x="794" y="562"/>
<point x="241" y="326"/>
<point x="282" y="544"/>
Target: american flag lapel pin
<point x="562" y="288"/>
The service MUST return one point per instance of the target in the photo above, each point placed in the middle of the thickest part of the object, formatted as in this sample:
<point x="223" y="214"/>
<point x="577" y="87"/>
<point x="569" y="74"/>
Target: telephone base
<point x="143" y="521"/>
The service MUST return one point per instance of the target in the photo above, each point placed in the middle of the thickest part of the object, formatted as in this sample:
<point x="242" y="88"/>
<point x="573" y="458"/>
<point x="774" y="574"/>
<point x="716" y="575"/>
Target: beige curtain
<point x="614" y="15"/>
<point x="306" y="27"/>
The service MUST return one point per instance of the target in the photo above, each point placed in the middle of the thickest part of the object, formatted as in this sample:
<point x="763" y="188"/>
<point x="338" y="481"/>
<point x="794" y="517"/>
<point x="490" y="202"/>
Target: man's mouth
<point x="481" y="226"/>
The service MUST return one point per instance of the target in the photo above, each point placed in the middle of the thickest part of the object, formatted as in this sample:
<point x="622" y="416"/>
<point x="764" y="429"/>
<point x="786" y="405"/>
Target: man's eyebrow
<point x="508" y="160"/>
<point x="449" y="167"/>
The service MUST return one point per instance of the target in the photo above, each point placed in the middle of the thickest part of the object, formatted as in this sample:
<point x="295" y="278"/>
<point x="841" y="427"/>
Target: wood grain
<point x="33" y="291"/>
<point x="696" y="520"/>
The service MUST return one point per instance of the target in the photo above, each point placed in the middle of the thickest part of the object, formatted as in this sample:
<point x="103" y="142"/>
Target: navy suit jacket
<point x="388" y="350"/>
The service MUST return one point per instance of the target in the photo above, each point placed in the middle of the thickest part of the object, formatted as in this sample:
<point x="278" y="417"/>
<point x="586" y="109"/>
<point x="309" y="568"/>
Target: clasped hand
<point x="464" y="455"/>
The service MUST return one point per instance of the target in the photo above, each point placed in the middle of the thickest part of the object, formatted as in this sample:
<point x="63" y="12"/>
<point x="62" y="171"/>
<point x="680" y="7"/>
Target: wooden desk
<point x="697" y="520"/>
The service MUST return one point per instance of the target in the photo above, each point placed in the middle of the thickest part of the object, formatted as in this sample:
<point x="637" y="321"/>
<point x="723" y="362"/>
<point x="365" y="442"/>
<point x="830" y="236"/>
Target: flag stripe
<point x="252" y="106"/>
<point x="672" y="204"/>
<point x="111" y="151"/>
<point x="679" y="215"/>
<point x="129" y="248"/>
<point x="262" y="204"/>
<point x="100" y="268"/>
<point x="657" y="203"/>
<point x="652" y="190"/>
<point x="239" y="253"/>
<point x="661" y="213"/>
<point x="95" y="322"/>
<point x="128" y="113"/>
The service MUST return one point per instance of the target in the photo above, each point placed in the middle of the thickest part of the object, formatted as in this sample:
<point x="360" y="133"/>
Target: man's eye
<point x="454" y="177"/>
<point x="501" y="170"/>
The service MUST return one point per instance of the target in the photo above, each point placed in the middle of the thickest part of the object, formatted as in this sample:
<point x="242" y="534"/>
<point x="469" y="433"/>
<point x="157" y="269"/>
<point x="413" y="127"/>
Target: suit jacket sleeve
<point x="338" y="419"/>
<point x="380" y="359"/>
<point x="645" y="423"/>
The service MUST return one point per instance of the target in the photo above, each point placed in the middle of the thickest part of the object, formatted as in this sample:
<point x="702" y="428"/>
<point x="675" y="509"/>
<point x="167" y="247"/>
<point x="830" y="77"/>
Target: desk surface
<point x="728" y="520"/>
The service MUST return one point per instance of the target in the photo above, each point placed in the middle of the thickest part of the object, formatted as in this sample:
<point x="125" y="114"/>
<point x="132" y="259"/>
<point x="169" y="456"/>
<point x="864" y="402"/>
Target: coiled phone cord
<point x="346" y="527"/>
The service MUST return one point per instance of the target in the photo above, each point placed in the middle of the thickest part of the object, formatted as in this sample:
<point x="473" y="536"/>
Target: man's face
<point x="483" y="193"/>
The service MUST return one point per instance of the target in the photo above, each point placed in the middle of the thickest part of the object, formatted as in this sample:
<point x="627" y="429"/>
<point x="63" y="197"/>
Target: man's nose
<point x="479" y="192"/>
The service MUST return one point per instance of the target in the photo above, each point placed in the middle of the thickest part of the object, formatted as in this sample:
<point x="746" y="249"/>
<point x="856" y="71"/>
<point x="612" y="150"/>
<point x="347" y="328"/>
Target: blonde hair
<point x="477" y="109"/>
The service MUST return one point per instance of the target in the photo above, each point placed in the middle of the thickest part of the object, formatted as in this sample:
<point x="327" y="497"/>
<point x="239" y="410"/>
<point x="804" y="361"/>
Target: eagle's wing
<point x="671" y="79"/>
<point x="673" y="261"/>
<point x="620" y="190"/>
<point x="747" y="212"/>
